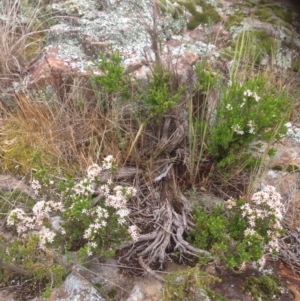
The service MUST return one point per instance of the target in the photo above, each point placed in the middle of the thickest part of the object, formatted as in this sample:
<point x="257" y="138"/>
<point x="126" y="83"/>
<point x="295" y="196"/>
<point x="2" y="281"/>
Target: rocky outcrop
<point x="139" y="31"/>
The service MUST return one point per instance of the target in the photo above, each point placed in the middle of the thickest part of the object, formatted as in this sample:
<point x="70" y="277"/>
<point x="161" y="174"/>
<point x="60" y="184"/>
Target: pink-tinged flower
<point x="134" y="232"/>
<point x="109" y="181"/>
<point x="242" y="267"/>
<point x="36" y="186"/>
<point x="249" y="231"/>
<point x="229" y="107"/>
<point x="123" y="212"/>
<point x="230" y="204"/>
<point x="248" y="93"/>
<point x="94" y="171"/>
<point x="46" y="236"/>
<point x="107" y="162"/>
<point x="237" y="129"/>
<point x="93" y="245"/>
<point x="256" y="97"/>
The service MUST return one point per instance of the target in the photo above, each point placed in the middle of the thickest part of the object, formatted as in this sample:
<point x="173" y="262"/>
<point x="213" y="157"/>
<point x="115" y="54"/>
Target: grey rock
<point x="75" y="288"/>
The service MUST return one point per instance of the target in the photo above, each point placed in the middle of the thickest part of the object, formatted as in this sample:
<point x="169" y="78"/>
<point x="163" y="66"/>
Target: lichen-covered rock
<point x="85" y="28"/>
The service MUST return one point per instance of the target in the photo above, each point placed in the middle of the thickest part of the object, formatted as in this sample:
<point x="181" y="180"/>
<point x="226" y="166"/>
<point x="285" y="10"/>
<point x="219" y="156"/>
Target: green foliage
<point x="223" y="232"/>
<point x="78" y="219"/>
<point x="25" y="255"/>
<point x="217" y="297"/>
<point x="248" y="112"/>
<point x="158" y="96"/>
<point x="190" y="284"/>
<point x="198" y="117"/>
<point x="264" y="288"/>
<point x="81" y="212"/>
<point x="284" y="13"/>
<point x="113" y="80"/>
<point x="210" y="228"/>
<point x="207" y="78"/>
<point x="88" y="226"/>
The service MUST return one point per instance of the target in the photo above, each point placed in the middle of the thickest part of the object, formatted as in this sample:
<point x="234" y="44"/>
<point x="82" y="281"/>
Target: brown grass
<point x="22" y="38"/>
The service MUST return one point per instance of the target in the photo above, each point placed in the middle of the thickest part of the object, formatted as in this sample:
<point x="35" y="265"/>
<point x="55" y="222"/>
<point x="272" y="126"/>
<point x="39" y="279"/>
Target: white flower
<point x="242" y="267"/>
<point x="134" y="232"/>
<point x="93" y="245"/>
<point x="107" y="162"/>
<point x="251" y="127"/>
<point x="229" y="107"/>
<point x="109" y="181"/>
<point x="123" y="212"/>
<point x="230" y="203"/>
<point x="121" y="221"/>
<point x="249" y="231"/>
<point x="256" y="97"/>
<point x="104" y="189"/>
<point x="248" y="93"/>
<point x="45" y="235"/>
<point x="35" y="184"/>
<point x="89" y="252"/>
<point x="236" y="128"/>
<point x="87" y="233"/>
<point x="94" y="171"/>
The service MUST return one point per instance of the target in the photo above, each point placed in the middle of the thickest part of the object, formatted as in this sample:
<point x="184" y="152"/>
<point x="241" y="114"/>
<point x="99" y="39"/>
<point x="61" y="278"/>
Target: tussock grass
<point x="22" y="38"/>
<point x="66" y="135"/>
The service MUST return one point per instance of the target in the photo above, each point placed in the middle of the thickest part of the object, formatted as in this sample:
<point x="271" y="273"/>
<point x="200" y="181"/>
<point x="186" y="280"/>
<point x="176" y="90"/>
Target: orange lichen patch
<point x="48" y="67"/>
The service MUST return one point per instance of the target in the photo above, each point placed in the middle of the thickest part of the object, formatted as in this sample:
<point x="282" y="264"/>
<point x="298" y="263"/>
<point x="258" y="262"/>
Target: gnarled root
<point x="169" y="227"/>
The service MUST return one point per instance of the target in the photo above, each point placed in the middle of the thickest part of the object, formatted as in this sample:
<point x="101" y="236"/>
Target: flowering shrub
<point x="89" y="224"/>
<point x="100" y="222"/>
<point x="248" y="112"/>
<point x="245" y="233"/>
<point x="25" y="265"/>
<point x="40" y="212"/>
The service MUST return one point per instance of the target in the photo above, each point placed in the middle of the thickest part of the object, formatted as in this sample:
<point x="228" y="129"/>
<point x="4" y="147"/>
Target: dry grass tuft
<point x="21" y="41"/>
<point x="68" y="135"/>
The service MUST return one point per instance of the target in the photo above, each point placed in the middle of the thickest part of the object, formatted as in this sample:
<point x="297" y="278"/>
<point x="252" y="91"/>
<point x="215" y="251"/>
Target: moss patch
<point x="234" y="20"/>
<point x="283" y="13"/>
<point x="208" y="15"/>
<point x="263" y="288"/>
<point x="168" y="7"/>
<point x="264" y="13"/>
